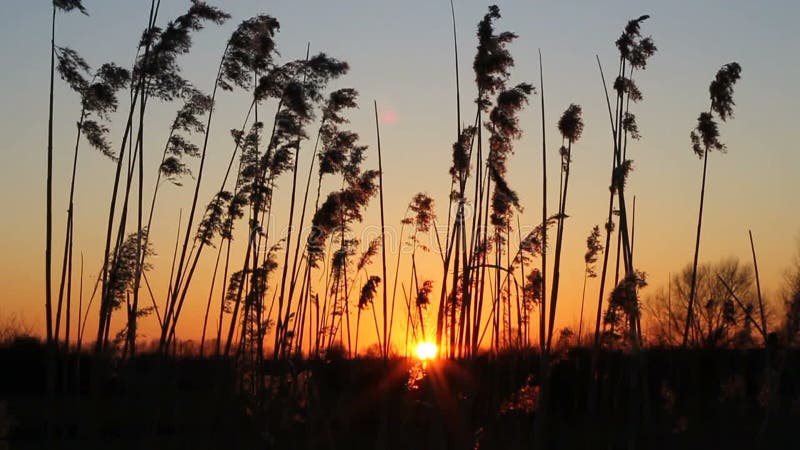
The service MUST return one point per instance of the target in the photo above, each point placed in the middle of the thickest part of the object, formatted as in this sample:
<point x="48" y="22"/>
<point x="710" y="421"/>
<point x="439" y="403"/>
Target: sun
<point x="425" y="351"/>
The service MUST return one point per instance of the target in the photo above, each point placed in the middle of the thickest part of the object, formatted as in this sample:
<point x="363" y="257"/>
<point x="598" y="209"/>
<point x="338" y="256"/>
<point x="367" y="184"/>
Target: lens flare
<point x="426" y="351"/>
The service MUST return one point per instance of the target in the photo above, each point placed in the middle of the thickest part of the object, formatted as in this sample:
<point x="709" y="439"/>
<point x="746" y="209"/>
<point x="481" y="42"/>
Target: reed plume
<point x="593" y="248"/>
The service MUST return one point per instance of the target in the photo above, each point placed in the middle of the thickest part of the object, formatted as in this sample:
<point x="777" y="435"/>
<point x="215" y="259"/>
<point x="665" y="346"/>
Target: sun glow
<point x="425" y="351"/>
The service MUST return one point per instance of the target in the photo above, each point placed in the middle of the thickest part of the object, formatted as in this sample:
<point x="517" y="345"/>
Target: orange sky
<point x="403" y="59"/>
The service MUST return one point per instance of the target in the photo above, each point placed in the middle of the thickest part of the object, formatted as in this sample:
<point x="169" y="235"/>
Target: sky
<point x="401" y="55"/>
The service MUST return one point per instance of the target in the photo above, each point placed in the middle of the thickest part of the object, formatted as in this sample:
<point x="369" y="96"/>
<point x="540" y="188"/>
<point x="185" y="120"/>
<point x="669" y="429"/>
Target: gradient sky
<point x="401" y="55"/>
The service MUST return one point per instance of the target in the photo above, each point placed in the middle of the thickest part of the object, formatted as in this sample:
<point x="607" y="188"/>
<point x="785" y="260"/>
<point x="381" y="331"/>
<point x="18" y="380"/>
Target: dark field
<point x="688" y="399"/>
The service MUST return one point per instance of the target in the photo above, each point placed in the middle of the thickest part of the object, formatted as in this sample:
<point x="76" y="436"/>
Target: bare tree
<point x="720" y="320"/>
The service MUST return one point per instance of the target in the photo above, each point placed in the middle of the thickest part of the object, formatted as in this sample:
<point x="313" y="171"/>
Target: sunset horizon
<point x="431" y="183"/>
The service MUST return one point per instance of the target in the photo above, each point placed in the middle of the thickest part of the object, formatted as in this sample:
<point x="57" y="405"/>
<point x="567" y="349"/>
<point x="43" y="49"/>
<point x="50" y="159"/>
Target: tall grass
<point x="63" y="6"/>
<point x="486" y="283"/>
<point x="457" y="318"/>
<point x="98" y="99"/>
<point x="705" y="138"/>
<point x="571" y="127"/>
<point x="593" y="248"/>
<point x="335" y="145"/>
<point x="634" y="51"/>
<point x="157" y="75"/>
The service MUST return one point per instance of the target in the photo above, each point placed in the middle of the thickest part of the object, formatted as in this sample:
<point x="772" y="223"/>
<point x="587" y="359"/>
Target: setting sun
<point x="425" y="351"/>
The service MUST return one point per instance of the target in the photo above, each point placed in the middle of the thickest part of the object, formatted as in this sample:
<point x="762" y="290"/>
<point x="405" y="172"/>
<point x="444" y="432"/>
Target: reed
<point x="63" y="6"/>
<point x="98" y="99"/>
<point x="705" y="138"/>
<point x="593" y="249"/>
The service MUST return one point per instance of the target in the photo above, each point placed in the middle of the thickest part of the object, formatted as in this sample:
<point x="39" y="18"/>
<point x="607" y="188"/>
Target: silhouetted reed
<point x="249" y="50"/>
<point x="466" y="250"/>
<point x="335" y="148"/>
<point x="705" y="138"/>
<point x="317" y="72"/>
<point x="622" y="314"/>
<point x="593" y="249"/>
<point x="156" y="74"/>
<point x="333" y="219"/>
<point x="121" y="281"/>
<point x="98" y="100"/>
<point x="571" y="127"/>
<point x="367" y="300"/>
<point x="164" y="82"/>
<point x="64" y="6"/>
<point x="421" y="220"/>
<point x="634" y="52"/>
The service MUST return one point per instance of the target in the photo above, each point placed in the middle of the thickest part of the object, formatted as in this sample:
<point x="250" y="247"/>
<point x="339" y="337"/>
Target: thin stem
<point x="190" y="219"/>
<point x="559" y="240"/>
<point x="693" y="291"/>
<point x="386" y="331"/>
<point x="543" y="306"/>
<point x="758" y="286"/>
<point x="49" y="183"/>
<point x="609" y="219"/>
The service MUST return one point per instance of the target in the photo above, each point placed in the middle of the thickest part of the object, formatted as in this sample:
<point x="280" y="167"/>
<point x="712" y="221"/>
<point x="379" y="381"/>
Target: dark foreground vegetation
<point x="689" y="399"/>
